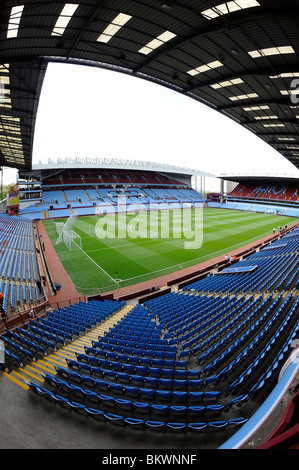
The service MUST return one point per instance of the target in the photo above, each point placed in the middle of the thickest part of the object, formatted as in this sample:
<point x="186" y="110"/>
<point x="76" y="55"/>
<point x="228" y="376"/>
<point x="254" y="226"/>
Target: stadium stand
<point x="265" y="198"/>
<point x="86" y="192"/>
<point x="198" y="360"/>
<point x="193" y="361"/>
<point x="266" y="191"/>
<point x="19" y="272"/>
<point x="190" y="361"/>
<point x="216" y="348"/>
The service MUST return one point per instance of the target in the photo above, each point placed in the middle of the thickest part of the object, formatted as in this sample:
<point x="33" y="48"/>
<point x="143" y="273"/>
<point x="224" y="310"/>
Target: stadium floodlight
<point x="228" y="7"/>
<point x="285" y="75"/>
<point x="205" y="68"/>
<point x="64" y="18"/>
<point x="157" y="42"/>
<point x="14" y="21"/>
<point x="244" y="97"/>
<point x="234" y="81"/>
<point x="273" y="125"/>
<point x="288" y="92"/>
<point x="261" y="118"/>
<point x="256" y="108"/>
<point x="119" y="21"/>
<point x="271" y="51"/>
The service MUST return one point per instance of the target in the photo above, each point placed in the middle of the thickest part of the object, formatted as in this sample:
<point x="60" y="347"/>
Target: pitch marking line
<point x="103" y="270"/>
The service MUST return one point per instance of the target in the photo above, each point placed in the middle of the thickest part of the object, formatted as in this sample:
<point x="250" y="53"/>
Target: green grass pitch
<point x="138" y="247"/>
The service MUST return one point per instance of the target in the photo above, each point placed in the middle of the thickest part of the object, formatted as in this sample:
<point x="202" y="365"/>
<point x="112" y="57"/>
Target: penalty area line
<point x="103" y="270"/>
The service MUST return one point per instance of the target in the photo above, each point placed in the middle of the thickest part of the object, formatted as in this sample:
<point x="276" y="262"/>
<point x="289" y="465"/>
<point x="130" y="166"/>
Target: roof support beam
<point x="87" y="23"/>
<point x="276" y="121"/>
<point x="277" y="134"/>
<point x="262" y="72"/>
<point x="241" y="104"/>
<point x="223" y="23"/>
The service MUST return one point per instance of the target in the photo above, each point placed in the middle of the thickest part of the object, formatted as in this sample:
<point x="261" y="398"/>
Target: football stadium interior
<point x="113" y="335"/>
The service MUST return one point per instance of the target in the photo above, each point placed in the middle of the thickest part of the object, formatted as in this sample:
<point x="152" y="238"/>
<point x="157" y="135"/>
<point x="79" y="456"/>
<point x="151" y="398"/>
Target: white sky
<point x="91" y="112"/>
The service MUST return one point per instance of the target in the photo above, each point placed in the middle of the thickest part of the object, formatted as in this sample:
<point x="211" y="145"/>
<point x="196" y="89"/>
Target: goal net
<point x="71" y="239"/>
<point x="59" y="227"/>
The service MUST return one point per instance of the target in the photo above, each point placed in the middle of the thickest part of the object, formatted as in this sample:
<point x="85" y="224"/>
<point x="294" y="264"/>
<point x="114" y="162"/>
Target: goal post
<point x="71" y="239"/>
<point x="59" y="226"/>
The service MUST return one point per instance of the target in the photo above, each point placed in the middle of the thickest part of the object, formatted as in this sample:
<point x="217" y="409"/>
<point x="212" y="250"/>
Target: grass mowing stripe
<point x="143" y="258"/>
<point x="100" y="267"/>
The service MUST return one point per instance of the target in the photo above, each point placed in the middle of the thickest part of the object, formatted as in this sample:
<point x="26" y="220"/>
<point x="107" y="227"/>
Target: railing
<point x="66" y="303"/>
<point x="51" y="283"/>
<point x="18" y="317"/>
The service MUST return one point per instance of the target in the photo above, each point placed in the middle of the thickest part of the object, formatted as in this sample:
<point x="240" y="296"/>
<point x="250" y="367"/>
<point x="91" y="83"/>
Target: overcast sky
<point x="91" y="112"/>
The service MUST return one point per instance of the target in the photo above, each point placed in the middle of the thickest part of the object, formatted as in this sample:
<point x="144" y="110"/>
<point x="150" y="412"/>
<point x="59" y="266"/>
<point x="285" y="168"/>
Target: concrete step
<point x="34" y="370"/>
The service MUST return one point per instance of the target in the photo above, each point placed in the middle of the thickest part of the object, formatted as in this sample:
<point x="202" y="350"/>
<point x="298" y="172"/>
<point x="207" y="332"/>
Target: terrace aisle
<point x="33" y="370"/>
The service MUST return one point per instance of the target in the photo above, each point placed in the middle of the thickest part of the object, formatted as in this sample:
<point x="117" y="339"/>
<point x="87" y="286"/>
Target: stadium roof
<point x="240" y="57"/>
<point x="270" y="179"/>
<point x="111" y="163"/>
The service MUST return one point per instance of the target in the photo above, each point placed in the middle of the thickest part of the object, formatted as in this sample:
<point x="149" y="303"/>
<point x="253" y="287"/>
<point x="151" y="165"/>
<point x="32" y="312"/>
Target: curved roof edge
<point x="262" y="178"/>
<point x="112" y="163"/>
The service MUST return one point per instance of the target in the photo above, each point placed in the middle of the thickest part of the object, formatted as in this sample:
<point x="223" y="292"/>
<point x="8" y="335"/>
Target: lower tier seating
<point x="193" y="360"/>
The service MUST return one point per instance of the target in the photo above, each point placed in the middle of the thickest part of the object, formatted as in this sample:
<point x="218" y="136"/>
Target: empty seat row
<point x="187" y="411"/>
<point x="125" y="384"/>
<point x="135" y="359"/>
<point x="153" y="376"/>
<point x="136" y="423"/>
<point x="255" y="363"/>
